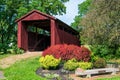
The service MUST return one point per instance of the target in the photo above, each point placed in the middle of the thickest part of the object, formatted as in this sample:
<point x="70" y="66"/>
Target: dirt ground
<point x="6" y="62"/>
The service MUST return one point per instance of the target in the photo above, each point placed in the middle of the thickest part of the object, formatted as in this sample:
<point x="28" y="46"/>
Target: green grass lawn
<point x="23" y="70"/>
<point x="113" y="78"/>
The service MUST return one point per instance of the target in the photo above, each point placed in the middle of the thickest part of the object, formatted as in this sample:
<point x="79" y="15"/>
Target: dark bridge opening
<point x="38" y="34"/>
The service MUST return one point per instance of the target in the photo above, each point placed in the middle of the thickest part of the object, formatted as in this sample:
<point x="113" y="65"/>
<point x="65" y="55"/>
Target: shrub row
<point x="73" y="64"/>
<point x="49" y="62"/>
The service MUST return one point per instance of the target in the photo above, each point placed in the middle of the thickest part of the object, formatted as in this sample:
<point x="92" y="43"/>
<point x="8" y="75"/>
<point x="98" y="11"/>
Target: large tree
<point x="10" y="10"/>
<point x="101" y="28"/>
<point x="52" y="7"/>
<point x="101" y="25"/>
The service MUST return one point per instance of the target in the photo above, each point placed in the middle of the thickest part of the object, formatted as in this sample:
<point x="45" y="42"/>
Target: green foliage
<point x="49" y="62"/>
<point x="103" y="51"/>
<point x="85" y="65"/>
<point x="70" y="65"/>
<point x="99" y="63"/>
<point x="73" y="64"/>
<point x="118" y="52"/>
<point x="98" y="22"/>
<point x="75" y="24"/>
<point x="82" y="10"/>
<point x="15" y="50"/>
<point x="52" y="7"/>
<point x="3" y="36"/>
<point x="101" y="28"/>
<point x="84" y="7"/>
<point x="23" y="70"/>
<point x="101" y="23"/>
<point x="93" y="57"/>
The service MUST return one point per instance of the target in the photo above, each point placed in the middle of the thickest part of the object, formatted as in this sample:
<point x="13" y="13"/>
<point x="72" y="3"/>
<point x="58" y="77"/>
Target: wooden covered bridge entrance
<point x="37" y="31"/>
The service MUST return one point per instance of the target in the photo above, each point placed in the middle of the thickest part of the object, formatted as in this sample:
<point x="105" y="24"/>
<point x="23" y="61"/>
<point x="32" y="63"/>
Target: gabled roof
<point x="48" y="16"/>
<point x="35" y="11"/>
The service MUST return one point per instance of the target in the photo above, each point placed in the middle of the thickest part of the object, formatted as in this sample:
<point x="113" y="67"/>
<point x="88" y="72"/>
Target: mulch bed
<point x="61" y="73"/>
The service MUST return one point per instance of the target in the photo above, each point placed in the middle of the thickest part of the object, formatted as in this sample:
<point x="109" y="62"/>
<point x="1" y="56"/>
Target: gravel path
<point x="6" y="62"/>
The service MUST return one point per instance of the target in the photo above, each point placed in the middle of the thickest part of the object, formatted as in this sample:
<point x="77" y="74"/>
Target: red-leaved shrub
<point x="67" y="52"/>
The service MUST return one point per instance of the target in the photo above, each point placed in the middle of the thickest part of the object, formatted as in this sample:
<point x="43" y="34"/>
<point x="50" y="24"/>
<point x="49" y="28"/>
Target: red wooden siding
<point x="53" y="28"/>
<point x="22" y="36"/>
<point x="35" y="16"/>
<point x="67" y="38"/>
<point x="19" y="34"/>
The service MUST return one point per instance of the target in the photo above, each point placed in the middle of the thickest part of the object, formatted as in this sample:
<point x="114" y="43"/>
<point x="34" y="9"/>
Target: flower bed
<point x="61" y="60"/>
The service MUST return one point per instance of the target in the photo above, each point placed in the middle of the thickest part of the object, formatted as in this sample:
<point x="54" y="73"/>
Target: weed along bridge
<point x="37" y="31"/>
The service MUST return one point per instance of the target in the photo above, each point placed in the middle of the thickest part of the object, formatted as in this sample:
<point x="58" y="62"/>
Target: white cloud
<point x="71" y="11"/>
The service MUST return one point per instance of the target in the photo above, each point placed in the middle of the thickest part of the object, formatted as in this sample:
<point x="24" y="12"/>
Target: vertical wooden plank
<point x="19" y="34"/>
<point x="52" y="32"/>
<point x="57" y="37"/>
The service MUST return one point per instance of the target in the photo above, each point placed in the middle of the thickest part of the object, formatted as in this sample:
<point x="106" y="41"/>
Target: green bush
<point x="85" y="65"/>
<point x="103" y="51"/>
<point x="49" y="62"/>
<point x="118" y="52"/>
<point x="73" y="64"/>
<point x="11" y="49"/>
<point x="15" y="50"/>
<point x="99" y="63"/>
<point x="70" y="65"/>
<point x="93" y="57"/>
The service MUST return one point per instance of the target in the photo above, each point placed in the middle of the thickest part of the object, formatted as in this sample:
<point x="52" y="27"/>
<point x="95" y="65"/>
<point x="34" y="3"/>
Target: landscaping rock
<point x="112" y="65"/>
<point x="53" y="74"/>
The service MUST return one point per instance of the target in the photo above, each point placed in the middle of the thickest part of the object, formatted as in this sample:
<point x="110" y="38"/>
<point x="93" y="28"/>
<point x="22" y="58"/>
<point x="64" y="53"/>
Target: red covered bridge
<point x="37" y="31"/>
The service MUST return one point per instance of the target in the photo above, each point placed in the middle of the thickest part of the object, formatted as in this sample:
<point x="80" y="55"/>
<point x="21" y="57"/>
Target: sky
<point x="71" y="11"/>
